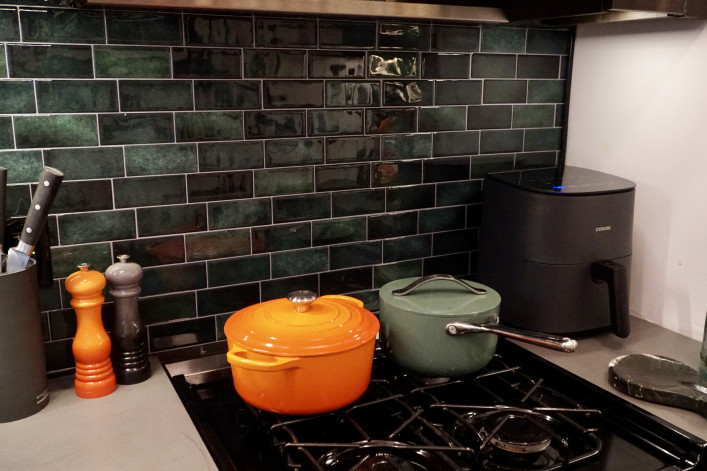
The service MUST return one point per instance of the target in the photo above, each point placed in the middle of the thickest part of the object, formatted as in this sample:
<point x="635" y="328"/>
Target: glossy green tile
<point x="65" y="260"/>
<point x="132" y="62"/>
<point x="88" y="195"/>
<point x="293" y="93"/>
<point x="76" y="96"/>
<point x="549" y="41"/>
<point x="445" y="169"/>
<point x="489" y="117"/>
<point x="63" y="323"/>
<point x="393" y="64"/>
<point x="410" y="197"/>
<point x="352" y="149"/>
<point x="228" y="299"/>
<point x="442" y="118"/>
<point x="148" y="252"/>
<point x="226" y="94"/>
<point x="391" y="120"/>
<point x="284" y="181"/>
<point x="300" y="262"/>
<point x="383" y="274"/>
<point x="342" y="177"/>
<point x="546" y="91"/>
<point x="220" y="186"/>
<point x="347" y="281"/>
<point x="442" y="219"/>
<point x="96" y="227"/>
<point x="3" y="64"/>
<point x="526" y="160"/>
<point x="136" y="128"/>
<point x="455" y="38"/>
<point x="334" y="122"/>
<point x="284" y="32"/>
<point x="395" y="173"/>
<point x="171" y="219"/>
<point x="17" y="200"/>
<point x="339" y="64"/>
<point x="50" y="296"/>
<point x="483" y="164"/>
<point x="209" y="126"/>
<point x="466" y="192"/>
<point x="217" y="30"/>
<point x="49" y="61"/>
<point x="347" y="34"/>
<point x="160" y="159"/>
<point x="267" y="63"/>
<point x="502" y="39"/>
<point x="392" y="225"/>
<point x="338" y="231"/>
<point x="284" y="152"/>
<point x="301" y="208"/>
<point x="240" y="213"/>
<point x="167" y="308"/>
<point x="182" y="334"/>
<point x="458" y="92"/>
<point x="406" y="146"/>
<point x="59" y="355"/>
<point x="238" y="270"/>
<point x="143" y="27"/>
<point x="355" y="255"/>
<point x="456" y="264"/>
<point x="17" y="96"/>
<point x="215" y="156"/>
<point x="543" y="139"/>
<point x="539" y="67"/>
<point x="533" y="116"/>
<point x="149" y="191"/>
<point x="463" y="240"/>
<point x="354" y="93"/>
<point x="212" y="63"/>
<point x="498" y="141"/>
<point x="217" y="244"/>
<point x="408" y="92"/>
<point x="406" y="248"/>
<point x="274" y="289"/>
<point x="406" y="36"/>
<point x="7" y="140"/>
<point x="23" y="166"/>
<point x="493" y="66"/>
<point x="62" y="26"/>
<point x="445" y="66"/>
<point x="173" y="278"/>
<point x="349" y="203"/>
<point x="260" y="124"/>
<point x="455" y="143"/>
<point x="155" y="95"/>
<point x="9" y="26"/>
<point x="55" y="131"/>
<point x="281" y="237"/>
<point x="505" y="91"/>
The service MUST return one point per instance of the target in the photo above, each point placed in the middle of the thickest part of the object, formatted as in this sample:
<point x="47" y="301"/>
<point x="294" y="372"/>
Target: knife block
<point x="91" y="345"/>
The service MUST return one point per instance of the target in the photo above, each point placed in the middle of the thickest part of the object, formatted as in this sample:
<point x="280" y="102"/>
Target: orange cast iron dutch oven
<point x="301" y="354"/>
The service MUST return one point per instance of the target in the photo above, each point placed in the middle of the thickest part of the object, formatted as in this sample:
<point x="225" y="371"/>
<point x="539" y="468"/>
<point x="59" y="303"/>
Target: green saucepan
<point x="423" y="322"/>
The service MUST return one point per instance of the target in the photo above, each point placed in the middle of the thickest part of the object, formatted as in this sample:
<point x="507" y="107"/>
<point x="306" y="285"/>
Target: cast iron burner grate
<point x="501" y="419"/>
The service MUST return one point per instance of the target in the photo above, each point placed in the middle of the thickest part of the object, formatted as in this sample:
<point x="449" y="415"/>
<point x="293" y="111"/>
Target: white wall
<point x="638" y="109"/>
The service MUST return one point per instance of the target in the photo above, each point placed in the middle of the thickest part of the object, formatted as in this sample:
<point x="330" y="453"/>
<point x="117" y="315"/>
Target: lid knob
<point x="302" y="299"/>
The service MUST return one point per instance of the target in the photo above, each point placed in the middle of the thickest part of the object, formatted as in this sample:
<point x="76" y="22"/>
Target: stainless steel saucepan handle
<point x="563" y="344"/>
<point x="426" y="279"/>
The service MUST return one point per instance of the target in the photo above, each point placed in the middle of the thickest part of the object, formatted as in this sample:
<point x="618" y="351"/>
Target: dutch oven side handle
<point x="426" y="279"/>
<point x="237" y="357"/>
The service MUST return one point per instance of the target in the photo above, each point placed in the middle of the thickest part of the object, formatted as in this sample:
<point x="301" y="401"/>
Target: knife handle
<point x="42" y="200"/>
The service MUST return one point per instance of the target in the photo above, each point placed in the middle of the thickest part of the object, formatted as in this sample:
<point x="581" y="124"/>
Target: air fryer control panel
<point x="567" y="180"/>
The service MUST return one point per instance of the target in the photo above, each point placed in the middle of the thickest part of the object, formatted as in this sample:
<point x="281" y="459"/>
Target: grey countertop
<point x="145" y="427"/>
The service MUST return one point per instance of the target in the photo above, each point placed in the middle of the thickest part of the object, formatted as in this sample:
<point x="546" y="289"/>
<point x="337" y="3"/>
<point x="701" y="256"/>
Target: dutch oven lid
<point x="303" y="325"/>
<point x="440" y="296"/>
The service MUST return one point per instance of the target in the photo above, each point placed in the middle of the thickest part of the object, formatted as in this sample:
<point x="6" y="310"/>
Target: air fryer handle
<point x="616" y="276"/>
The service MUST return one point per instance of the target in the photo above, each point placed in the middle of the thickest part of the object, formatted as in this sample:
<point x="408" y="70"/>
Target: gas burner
<point x="515" y="434"/>
<point x="381" y="455"/>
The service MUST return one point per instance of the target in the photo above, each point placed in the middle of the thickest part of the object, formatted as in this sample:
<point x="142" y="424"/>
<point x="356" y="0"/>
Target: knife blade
<point x="18" y="256"/>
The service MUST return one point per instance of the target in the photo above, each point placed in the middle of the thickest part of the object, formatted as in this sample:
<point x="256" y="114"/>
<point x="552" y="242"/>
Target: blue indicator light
<point x="559" y="187"/>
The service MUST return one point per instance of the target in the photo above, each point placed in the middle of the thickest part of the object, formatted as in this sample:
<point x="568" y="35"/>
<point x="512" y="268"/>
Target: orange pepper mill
<point x="91" y="345"/>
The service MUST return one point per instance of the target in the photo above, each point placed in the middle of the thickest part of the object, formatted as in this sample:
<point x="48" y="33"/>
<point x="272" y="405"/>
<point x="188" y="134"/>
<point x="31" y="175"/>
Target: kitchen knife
<point x="18" y="256"/>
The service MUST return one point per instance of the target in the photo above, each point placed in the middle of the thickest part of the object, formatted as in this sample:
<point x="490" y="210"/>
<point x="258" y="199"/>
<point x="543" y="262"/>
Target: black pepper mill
<point x="129" y="336"/>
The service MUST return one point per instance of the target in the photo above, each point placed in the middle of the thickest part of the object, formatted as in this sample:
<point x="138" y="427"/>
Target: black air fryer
<point x="556" y="244"/>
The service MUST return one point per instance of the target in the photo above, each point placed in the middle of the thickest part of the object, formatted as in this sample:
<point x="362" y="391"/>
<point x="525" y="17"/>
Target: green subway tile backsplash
<point x="237" y="156"/>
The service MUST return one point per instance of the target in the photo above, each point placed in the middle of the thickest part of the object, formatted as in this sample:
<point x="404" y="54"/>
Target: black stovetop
<point x="471" y="423"/>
